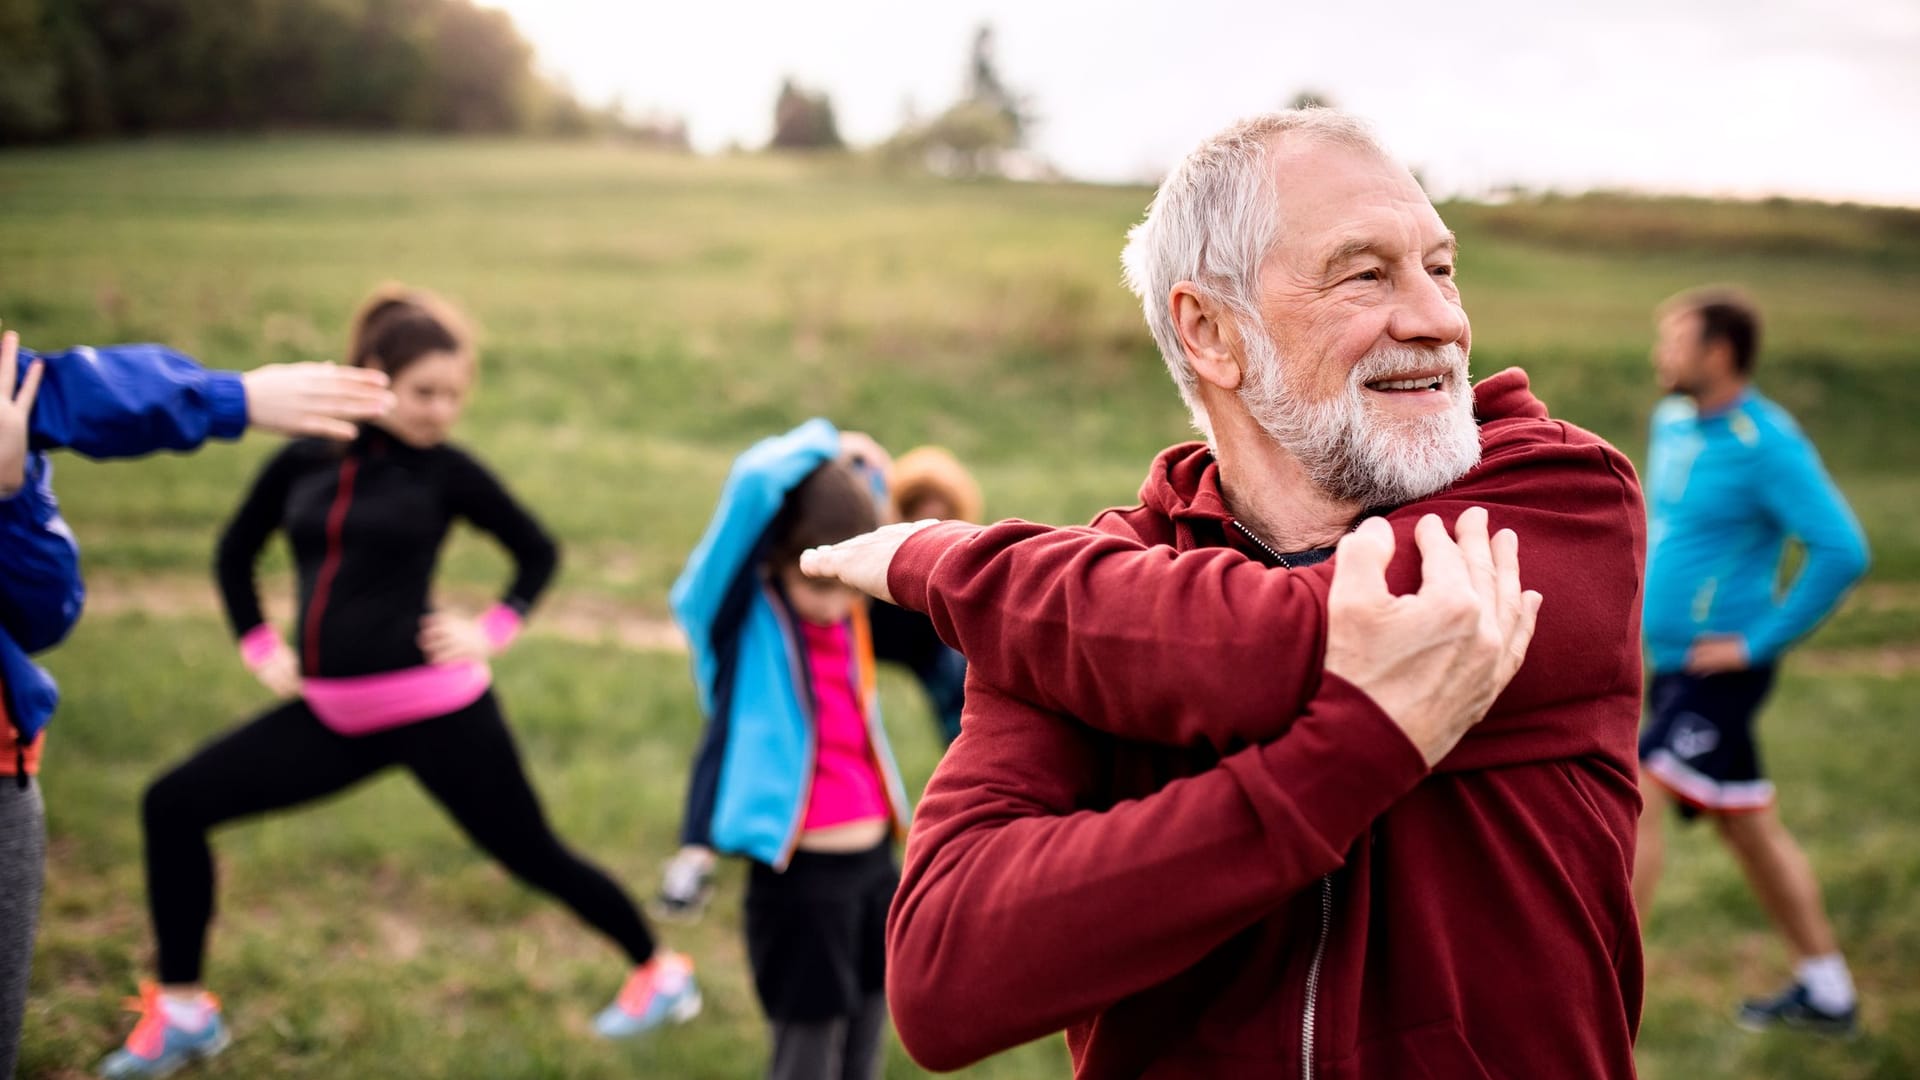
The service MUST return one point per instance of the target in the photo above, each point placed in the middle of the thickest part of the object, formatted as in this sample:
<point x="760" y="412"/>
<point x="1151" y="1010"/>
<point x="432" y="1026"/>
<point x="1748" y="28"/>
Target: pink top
<point x="847" y="785"/>
<point x="364" y="704"/>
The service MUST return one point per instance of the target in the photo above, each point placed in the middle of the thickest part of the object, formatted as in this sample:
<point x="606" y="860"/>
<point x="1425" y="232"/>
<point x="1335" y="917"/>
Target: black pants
<point x="817" y="942"/>
<point x="466" y="760"/>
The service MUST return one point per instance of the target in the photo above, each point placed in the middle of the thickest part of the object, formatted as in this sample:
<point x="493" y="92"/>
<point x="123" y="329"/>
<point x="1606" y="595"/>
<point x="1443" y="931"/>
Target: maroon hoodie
<point x="1165" y="830"/>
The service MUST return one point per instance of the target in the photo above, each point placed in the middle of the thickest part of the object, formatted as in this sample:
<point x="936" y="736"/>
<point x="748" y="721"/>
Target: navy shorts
<point x="1698" y="742"/>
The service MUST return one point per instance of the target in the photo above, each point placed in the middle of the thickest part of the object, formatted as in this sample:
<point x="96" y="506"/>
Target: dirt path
<point x="572" y="617"/>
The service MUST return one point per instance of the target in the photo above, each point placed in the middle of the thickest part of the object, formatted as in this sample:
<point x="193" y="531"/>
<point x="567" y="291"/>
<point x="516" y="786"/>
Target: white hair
<point x="1213" y="221"/>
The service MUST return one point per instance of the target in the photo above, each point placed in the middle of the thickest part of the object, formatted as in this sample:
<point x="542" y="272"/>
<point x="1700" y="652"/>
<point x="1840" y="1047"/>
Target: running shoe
<point x="660" y="991"/>
<point x="1794" y="1008"/>
<point x="159" y="1047"/>
<point x="686" y="885"/>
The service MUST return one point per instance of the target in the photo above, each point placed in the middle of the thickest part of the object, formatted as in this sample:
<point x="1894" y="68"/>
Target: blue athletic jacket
<point x="114" y="402"/>
<point x="1724" y="492"/>
<point x="748" y="792"/>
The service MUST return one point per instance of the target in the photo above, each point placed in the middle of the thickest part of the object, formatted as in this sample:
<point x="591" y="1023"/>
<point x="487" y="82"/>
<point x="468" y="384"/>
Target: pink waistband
<point x="364" y="704"/>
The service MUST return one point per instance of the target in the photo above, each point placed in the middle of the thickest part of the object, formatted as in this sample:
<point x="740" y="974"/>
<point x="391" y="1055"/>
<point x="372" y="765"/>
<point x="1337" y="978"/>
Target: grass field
<point x="645" y="317"/>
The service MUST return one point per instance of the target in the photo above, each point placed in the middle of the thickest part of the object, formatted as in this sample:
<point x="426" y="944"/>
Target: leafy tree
<point x="803" y="119"/>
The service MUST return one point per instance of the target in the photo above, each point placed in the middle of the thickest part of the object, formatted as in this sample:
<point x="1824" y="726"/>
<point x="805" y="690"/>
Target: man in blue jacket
<point x="116" y="402"/>
<point x="1730" y="478"/>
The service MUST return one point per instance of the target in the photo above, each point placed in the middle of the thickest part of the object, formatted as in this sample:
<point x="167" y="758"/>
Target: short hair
<point x="1726" y="314"/>
<point x="830" y="505"/>
<point x="1213" y="221"/>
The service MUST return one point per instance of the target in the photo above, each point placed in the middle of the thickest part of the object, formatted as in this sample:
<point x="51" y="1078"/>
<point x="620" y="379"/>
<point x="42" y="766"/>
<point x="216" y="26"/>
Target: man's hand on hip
<point x="1718" y="654"/>
<point x="1433" y="660"/>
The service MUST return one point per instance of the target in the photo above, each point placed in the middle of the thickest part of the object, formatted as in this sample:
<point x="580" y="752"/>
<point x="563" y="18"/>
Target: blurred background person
<point x="1730" y="480"/>
<point x="110" y="402"/>
<point x="374" y="679"/>
<point x="794" y="772"/>
<point x="928" y="482"/>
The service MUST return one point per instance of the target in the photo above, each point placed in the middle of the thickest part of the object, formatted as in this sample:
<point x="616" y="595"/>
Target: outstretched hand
<point x="16" y="412"/>
<point x="315" y="399"/>
<point x="862" y="562"/>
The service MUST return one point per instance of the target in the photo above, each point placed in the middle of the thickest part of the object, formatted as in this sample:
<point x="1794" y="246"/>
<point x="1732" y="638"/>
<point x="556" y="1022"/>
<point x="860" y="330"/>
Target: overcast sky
<point x="1805" y="97"/>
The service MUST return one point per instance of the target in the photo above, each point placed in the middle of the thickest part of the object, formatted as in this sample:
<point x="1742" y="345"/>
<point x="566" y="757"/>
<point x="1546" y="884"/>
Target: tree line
<point x="88" y="68"/>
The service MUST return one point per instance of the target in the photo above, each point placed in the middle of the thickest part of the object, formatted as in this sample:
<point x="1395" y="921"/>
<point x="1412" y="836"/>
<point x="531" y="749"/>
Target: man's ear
<point x="1718" y="356"/>
<point x="1209" y="334"/>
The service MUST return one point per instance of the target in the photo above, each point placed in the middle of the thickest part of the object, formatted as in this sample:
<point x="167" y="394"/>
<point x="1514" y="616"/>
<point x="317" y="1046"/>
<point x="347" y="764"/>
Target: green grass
<point x="644" y="318"/>
<point x="365" y="936"/>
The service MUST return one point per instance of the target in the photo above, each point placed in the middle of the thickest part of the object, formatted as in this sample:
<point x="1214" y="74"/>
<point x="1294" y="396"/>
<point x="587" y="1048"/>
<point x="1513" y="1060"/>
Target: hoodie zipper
<point x="1310" y="1009"/>
<point x="1307" y="1014"/>
<point x="1263" y="545"/>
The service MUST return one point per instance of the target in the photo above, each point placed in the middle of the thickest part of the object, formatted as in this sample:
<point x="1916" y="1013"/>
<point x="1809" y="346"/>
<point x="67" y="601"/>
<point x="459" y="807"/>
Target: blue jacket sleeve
<point x="755" y="489"/>
<point x="40" y="589"/>
<point x="1804" y="502"/>
<point x="128" y="400"/>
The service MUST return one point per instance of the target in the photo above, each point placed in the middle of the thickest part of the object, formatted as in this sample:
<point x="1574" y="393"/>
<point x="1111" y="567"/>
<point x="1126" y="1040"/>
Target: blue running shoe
<point x="660" y="991"/>
<point x="1794" y="1008"/>
<point x="158" y="1047"/>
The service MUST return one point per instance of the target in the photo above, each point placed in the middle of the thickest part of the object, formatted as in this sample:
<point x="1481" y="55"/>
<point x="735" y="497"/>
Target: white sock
<point x="188" y="1012"/>
<point x="1829" y="984"/>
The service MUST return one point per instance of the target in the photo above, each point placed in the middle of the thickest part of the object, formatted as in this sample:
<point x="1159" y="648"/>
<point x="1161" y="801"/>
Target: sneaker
<point x="686" y="885"/>
<point x="158" y="1047"/>
<point x="658" y="992"/>
<point x="1793" y="1008"/>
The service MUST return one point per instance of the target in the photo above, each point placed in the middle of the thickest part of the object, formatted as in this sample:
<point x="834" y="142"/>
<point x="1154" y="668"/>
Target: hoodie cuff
<point x="227" y="399"/>
<point x="912" y="568"/>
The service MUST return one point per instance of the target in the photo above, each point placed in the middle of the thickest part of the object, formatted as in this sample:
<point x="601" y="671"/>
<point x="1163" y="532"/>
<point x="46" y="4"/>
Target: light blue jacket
<point x="751" y="777"/>
<point x="1724" y="493"/>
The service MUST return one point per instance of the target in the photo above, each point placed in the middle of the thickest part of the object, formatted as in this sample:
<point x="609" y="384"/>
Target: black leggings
<point x="466" y="760"/>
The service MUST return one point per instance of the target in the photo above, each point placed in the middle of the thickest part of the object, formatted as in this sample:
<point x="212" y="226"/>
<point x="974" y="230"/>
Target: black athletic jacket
<point x="366" y="522"/>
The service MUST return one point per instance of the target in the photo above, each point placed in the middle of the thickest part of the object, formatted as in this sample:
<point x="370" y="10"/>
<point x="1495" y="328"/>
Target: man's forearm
<point x="1020" y="912"/>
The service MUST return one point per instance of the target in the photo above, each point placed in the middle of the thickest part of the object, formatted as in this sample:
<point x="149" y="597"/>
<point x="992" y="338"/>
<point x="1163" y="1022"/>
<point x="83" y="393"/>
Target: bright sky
<point x="1804" y="97"/>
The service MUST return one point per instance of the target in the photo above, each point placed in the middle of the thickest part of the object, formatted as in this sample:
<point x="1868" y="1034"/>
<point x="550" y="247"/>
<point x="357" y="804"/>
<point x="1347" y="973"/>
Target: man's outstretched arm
<point x="1212" y="648"/>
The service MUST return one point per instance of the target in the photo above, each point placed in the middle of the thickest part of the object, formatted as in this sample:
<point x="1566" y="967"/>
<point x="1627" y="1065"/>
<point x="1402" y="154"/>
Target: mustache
<point x="1390" y="361"/>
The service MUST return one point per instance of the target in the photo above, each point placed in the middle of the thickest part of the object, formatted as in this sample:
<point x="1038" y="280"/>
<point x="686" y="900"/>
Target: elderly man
<point x="1198" y="815"/>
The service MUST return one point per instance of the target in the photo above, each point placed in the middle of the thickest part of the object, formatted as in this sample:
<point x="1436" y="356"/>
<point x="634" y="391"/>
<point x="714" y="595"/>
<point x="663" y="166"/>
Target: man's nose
<point x="1427" y="314"/>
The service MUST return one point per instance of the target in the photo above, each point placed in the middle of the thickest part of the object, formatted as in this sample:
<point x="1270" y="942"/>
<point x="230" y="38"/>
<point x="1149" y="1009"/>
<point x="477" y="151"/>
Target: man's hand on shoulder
<point x="1433" y="660"/>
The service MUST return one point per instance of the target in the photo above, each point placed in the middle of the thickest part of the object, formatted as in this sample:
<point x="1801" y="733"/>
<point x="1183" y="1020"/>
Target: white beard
<point x="1350" y="451"/>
